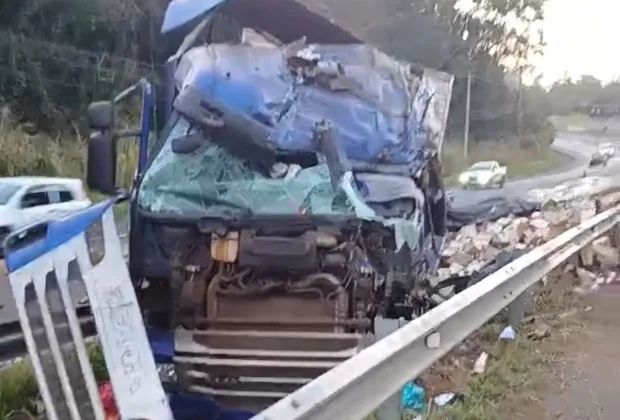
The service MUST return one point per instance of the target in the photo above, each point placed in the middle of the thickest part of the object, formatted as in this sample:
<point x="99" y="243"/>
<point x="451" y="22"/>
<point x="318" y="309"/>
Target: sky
<point x="582" y="38"/>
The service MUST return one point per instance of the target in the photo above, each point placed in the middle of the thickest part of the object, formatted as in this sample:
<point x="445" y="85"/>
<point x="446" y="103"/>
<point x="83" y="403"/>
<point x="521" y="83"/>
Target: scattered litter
<point x="448" y="398"/>
<point x="508" y="334"/>
<point x="109" y="402"/>
<point x="413" y="397"/>
<point x="481" y="363"/>
<point x="587" y="309"/>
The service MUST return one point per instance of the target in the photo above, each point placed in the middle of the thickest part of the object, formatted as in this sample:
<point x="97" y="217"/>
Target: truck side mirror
<point x="101" y="162"/>
<point x="101" y="115"/>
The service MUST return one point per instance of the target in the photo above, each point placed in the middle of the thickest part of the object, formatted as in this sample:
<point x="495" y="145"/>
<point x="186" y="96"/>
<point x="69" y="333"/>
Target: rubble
<point x="475" y="246"/>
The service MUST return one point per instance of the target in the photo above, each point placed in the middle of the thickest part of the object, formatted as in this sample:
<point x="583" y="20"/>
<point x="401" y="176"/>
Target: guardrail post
<point x="391" y="409"/>
<point x="517" y="309"/>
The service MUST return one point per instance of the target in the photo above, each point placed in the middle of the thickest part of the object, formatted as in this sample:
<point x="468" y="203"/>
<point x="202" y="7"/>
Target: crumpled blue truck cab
<point x="294" y="196"/>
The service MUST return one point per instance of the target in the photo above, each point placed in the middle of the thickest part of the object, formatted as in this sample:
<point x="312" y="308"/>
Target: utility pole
<point x="519" y="105"/>
<point x="467" y="107"/>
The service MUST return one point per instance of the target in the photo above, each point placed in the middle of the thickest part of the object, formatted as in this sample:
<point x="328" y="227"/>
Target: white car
<point x="28" y="200"/>
<point x="483" y="175"/>
<point x="607" y="149"/>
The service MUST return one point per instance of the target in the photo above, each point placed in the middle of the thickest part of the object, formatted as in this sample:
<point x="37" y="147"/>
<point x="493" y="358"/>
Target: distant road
<point x="578" y="145"/>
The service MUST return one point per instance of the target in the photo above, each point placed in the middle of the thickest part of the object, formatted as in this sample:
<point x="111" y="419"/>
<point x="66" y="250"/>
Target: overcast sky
<point x="583" y="37"/>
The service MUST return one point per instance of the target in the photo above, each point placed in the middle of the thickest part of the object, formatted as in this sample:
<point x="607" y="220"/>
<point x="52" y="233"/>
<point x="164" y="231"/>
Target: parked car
<point x="483" y="175"/>
<point x="27" y="200"/>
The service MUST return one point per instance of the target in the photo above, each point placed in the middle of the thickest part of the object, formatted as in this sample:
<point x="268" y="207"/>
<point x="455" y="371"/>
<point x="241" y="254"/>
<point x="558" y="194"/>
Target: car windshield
<point x="7" y="190"/>
<point x="481" y="166"/>
<point x="212" y="182"/>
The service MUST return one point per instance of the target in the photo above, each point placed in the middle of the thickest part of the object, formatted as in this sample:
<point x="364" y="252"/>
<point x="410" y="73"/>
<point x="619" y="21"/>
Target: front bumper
<point x="475" y="184"/>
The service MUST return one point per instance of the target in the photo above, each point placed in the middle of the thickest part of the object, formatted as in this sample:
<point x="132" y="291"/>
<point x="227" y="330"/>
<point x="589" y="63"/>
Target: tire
<point x="501" y="182"/>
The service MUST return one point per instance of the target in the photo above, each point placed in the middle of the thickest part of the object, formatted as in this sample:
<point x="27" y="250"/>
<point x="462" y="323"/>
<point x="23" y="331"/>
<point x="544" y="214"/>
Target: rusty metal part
<point x="253" y="369"/>
<point x="309" y="324"/>
<point x="257" y="347"/>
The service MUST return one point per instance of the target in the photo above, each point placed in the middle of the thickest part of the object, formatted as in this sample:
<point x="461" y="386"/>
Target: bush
<point x="18" y="389"/>
<point x="40" y="154"/>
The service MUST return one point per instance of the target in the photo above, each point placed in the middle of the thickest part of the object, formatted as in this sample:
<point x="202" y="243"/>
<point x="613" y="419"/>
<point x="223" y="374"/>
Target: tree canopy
<point x="57" y="55"/>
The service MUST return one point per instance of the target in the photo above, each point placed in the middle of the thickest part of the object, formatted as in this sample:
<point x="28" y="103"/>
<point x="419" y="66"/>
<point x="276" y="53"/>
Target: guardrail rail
<point x="355" y="388"/>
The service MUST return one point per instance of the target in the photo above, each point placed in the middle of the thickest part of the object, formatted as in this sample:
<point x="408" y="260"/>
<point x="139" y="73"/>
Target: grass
<point x="519" y="162"/>
<point x="517" y="372"/>
<point x="61" y="156"/>
<point x="19" y="391"/>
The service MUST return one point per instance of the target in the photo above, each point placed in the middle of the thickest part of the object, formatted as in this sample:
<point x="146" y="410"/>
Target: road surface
<point x="579" y="146"/>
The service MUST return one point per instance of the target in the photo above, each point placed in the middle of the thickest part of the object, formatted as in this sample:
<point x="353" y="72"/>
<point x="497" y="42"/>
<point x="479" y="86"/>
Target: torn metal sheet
<point x="294" y="20"/>
<point x="180" y="12"/>
<point x="385" y="112"/>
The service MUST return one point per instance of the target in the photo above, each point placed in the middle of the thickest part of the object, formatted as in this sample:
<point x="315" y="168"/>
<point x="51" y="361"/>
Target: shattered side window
<point x="212" y="182"/>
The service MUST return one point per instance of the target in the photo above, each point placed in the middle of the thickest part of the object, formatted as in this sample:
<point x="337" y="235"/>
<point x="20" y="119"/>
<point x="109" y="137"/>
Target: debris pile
<point x="477" y="250"/>
<point x="478" y="247"/>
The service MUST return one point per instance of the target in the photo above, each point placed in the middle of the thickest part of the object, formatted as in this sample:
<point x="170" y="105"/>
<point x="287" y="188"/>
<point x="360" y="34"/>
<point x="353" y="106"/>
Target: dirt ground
<point x="564" y="363"/>
<point x="588" y="373"/>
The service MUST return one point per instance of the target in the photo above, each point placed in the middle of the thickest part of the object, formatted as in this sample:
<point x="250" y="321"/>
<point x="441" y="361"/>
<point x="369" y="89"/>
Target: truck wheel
<point x="502" y="182"/>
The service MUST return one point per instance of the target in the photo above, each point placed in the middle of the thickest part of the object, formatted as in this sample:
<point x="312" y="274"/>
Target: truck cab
<point x="293" y="197"/>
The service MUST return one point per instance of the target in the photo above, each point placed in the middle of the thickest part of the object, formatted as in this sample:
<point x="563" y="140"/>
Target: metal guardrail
<point x="12" y="344"/>
<point x="355" y="388"/>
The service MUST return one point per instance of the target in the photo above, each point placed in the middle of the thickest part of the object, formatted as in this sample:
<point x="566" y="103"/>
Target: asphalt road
<point x="578" y="146"/>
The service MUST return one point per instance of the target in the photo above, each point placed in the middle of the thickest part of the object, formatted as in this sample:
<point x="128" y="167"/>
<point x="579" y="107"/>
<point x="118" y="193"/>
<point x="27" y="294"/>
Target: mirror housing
<point x="101" y="162"/>
<point x="101" y="115"/>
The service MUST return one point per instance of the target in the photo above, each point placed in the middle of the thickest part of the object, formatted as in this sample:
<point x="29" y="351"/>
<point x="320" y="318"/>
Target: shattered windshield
<point x="212" y="182"/>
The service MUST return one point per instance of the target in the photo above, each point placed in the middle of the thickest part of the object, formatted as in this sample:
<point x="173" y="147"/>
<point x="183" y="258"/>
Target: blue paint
<point x="189" y="406"/>
<point x="377" y="122"/>
<point x="180" y="12"/>
<point x="162" y="344"/>
<point x="58" y="232"/>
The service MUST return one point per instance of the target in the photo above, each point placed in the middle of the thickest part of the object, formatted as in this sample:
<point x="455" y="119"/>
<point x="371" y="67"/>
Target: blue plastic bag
<point x="413" y="397"/>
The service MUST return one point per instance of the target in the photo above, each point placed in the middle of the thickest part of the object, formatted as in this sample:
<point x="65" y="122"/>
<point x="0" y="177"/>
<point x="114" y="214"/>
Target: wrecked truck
<point x="294" y="196"/>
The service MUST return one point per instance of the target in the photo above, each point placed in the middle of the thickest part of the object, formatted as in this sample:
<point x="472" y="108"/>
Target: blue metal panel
<point x="180" y="12"/>
<point x="57" y="233"/>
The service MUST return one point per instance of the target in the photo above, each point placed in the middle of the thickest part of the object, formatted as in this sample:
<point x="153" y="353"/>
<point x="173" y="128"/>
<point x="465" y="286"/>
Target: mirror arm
<point x="148" y="104"/>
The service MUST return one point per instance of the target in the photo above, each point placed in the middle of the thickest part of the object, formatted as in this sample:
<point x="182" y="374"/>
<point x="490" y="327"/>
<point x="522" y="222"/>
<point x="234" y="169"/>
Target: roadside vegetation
<point x="522" y="159"/>
<point x="519" y="373"/>
<point x="19" y="393"/>
<point x="27" y="153"/>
